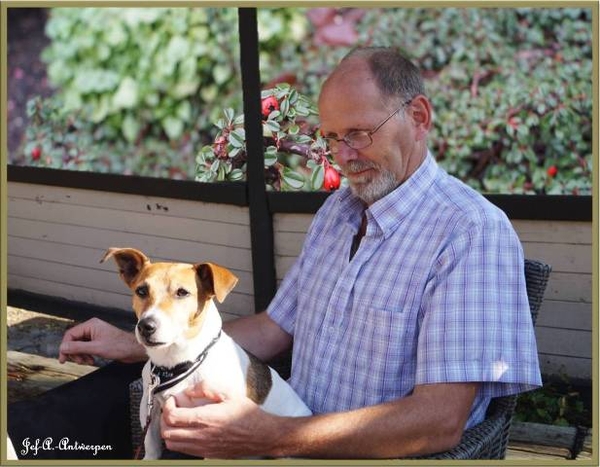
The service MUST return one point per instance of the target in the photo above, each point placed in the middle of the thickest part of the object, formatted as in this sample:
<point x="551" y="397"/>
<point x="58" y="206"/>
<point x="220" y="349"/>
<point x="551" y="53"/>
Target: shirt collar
<point x="390" y="210"/>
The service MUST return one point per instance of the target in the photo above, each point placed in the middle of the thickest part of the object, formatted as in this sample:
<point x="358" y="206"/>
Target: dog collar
<point x="164" y="378"/>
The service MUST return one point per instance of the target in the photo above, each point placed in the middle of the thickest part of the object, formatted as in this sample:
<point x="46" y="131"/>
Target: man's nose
<point x="344" y="154"/>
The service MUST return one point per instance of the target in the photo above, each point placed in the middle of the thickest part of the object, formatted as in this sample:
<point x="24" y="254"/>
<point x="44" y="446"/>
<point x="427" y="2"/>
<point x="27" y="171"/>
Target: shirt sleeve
<point x="476" y="322"/>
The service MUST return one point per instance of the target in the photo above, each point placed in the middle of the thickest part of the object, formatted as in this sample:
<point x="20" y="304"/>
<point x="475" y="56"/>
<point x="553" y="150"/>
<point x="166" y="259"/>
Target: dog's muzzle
<point x="146" y="327"/>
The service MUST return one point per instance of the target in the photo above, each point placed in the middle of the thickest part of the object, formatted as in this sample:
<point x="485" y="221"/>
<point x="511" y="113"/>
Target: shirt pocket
<point x="386" y="351"/>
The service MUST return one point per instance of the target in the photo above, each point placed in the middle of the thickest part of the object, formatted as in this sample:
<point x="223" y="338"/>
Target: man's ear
<point x="421" y="113"/>
<point x="215" y="280"/>
<point x="129" y="260"/>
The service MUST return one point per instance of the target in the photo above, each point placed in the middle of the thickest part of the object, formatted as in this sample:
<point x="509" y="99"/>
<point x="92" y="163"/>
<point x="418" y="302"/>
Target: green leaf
<point x="292" y="179"/>
<point x="221" y="73"/>
<point x="229" y="115"/>
<point x="173" y="127"/>
<point x="272" y="126"/>
<point x="317" y="177"/>
<point x="236" y="174"/>
<point x="270" y="156"/>
<point x="130" y="128"/>
<point x="126" y="96"/>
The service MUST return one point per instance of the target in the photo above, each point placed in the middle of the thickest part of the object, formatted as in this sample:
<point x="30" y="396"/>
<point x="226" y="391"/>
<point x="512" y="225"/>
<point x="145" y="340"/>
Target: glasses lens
<point x="358" y="139"/>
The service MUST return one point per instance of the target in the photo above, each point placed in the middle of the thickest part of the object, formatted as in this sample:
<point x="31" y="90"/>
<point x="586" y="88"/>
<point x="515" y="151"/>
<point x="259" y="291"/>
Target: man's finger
<point x="174" y="416"/>
<point x="78" y="351"/>
<point x="204" y="390"/>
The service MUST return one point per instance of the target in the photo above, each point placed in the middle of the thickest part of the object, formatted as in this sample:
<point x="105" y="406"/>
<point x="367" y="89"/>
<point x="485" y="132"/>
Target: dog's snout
<point x="147" y="326"/>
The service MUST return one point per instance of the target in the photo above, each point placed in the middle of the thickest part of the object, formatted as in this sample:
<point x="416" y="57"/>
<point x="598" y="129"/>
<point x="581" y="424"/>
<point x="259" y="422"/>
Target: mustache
<point x="358" y="166"/>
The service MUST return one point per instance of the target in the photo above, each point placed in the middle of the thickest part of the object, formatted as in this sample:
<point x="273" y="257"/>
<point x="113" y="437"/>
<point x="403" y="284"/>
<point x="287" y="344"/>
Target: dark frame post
<point x="261" y="220"/>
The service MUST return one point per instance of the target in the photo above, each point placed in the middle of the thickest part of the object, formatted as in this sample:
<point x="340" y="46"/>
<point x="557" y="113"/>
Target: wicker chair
<point x="487" y="440"/>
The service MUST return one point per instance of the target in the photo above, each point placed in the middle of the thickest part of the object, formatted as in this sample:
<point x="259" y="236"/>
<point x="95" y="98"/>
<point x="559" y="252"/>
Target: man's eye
<point x="142" y="291"/>
<point x="181" y="293"/>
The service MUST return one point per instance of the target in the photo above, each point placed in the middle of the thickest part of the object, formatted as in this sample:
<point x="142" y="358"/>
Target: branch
<point x="297" y="148"/>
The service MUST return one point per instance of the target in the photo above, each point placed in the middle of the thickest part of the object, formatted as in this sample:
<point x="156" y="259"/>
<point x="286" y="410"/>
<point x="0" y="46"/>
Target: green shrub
<point x="58" y="139"/>
<point x="511" y="88"/>
<point x="296" y="156"/>
<point x="154" y="71"/>
<point x="556" y="403"/>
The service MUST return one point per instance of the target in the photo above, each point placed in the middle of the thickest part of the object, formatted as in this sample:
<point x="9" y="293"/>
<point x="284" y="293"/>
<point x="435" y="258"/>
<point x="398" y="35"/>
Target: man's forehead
<point x="351" y="70"/>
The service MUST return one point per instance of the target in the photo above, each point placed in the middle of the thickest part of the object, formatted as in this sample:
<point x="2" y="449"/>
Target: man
<point x="406" y="309"/>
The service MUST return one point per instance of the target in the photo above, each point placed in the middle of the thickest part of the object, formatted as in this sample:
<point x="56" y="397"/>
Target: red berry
<point x="269" y="104"/>
<point x="331" y="180"/>
<point x="36" y="153"/>
<point x="552" y="171"/>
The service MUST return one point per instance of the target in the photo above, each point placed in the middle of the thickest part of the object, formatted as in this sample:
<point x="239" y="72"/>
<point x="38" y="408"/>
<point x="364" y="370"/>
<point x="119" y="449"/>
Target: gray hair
<point x="396" y="75"/>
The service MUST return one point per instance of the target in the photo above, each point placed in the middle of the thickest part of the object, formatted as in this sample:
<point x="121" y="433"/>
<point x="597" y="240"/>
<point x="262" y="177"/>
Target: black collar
<point x="164" y="378"/>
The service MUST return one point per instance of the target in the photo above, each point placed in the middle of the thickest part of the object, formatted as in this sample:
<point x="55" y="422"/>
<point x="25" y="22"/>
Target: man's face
<point x="350" y="101"/>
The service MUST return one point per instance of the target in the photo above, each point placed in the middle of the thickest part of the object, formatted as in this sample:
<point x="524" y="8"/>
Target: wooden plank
<point x="285" y="222"/>
<point x="30" y="375"/>
<point x="126" y="202"/>
<point x="541" y="434"/>
<point x="566" y="315"/>
<point x="158" y="249"/>
<point x="562" y="257"/>
<point x="282" y="265"/>
<point x="570" y="287"/>
<point x="565" y="342"/>
<point x="528" y="231"/>
<point x="158" y="225"/>
<point x="554" y="231"/>
<point x="573" y="367"/>
<point x="236" y="303"/>
<point x="289" y="243"/>
<point x="530" y="452"/>
<point x="101" y="277"/>
<point x="587" y="450"/>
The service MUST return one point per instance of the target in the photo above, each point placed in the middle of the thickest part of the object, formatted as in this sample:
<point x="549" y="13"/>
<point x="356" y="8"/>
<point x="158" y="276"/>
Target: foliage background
<point x="139" y="90"/>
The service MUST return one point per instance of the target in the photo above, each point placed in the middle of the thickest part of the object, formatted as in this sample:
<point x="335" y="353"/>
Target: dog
<point x="180" y="327"/>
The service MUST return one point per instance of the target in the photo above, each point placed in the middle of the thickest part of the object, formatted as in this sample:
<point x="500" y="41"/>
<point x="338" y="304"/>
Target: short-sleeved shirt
<point x="435" y="293"/>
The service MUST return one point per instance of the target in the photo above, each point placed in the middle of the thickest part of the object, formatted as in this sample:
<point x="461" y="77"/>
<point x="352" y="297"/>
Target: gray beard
<point x="382" y="185"/>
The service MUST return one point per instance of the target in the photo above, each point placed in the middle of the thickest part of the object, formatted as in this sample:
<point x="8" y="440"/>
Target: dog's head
<point x="169" y="299"/>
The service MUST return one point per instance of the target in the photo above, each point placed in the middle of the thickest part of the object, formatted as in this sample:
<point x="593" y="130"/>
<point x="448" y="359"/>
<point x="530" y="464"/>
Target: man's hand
<point x="430" y="420"/>
<point x="97" y="338"/>
<point x="205" y="422"/>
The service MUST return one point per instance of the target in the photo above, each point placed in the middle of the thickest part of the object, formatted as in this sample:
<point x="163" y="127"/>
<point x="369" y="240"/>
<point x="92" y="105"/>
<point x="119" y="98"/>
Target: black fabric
<point x="90" y="411"/>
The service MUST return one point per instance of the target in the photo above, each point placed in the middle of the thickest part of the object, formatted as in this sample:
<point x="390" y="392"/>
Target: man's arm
<point x="259" y="334"/>
<point x="430" y="420"/>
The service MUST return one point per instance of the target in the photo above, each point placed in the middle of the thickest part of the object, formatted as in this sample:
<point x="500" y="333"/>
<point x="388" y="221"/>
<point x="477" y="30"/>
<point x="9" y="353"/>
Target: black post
<point x="261" y="221"/>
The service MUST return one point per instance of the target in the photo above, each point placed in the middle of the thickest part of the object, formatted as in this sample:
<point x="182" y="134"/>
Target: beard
<point x="372" y="186"/>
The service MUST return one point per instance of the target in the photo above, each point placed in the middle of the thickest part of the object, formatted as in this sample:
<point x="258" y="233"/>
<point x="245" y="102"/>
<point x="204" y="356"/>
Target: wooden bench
<point x="30" y="375"/>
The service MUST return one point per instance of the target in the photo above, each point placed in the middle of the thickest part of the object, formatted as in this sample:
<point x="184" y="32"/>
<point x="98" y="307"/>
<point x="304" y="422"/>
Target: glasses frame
<point x="370" y="133"/>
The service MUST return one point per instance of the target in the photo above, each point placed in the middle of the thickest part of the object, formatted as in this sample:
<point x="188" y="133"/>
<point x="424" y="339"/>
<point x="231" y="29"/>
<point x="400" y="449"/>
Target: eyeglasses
<point x="360" y="139"/>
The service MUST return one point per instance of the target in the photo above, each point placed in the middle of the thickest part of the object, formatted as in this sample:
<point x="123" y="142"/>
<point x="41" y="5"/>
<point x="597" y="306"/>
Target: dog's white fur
<point x="226" y="364"/>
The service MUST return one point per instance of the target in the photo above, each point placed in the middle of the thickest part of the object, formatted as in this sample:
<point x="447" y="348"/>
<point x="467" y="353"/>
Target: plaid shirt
<point x="434" y="294"/>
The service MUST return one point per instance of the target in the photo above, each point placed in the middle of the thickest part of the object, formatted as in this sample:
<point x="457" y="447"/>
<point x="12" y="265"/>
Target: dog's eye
<point x="142" y="291"/>
<point x="181" y="292"/>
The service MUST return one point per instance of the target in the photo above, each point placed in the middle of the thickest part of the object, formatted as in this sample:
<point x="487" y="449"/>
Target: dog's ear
<point x="216" y="280"/>
<point x="129" y="260"/>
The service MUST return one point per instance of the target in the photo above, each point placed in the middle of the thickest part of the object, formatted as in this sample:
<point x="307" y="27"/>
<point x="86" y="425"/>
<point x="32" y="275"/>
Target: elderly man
<point x="406" y="309"/>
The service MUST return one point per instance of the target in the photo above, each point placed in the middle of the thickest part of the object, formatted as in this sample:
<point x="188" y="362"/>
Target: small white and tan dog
<point x="180" y="327"/>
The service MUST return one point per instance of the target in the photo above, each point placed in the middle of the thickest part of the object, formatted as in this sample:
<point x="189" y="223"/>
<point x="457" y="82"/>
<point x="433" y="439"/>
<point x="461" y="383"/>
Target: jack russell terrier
<point x="180" y="327"/>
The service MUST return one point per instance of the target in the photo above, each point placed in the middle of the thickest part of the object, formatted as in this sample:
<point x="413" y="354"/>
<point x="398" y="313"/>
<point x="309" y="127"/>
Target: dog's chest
<point x="226" y="368"/>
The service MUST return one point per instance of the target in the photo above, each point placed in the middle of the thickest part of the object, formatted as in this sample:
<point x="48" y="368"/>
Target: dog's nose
<point x="147" y="326"/>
